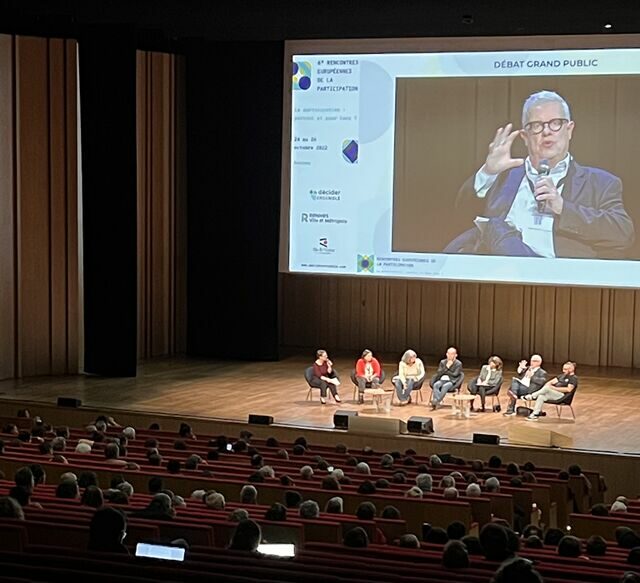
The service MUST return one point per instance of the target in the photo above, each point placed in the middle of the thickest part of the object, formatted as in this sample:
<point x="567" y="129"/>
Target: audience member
<point x="107" y="530"/>
<point x="456" y="530"/>
<point x="367" y="487"/>
<point x="248" y="495"/>
<point x="533" y="541"/>
<point x="159" y="508"/>
<point x="495" y="542"/>
<point x="473" y="491"/>
<point x="552" y="537"/>
<point x="67" y="489"/>
<point x="356" y="538"/>
<point x="92" y="497"/>
<point x="596" y="546"/>
<point x="214" y="500"/>
<point x="334" y="505"/>
<point x="276" y="512"/>
<point x="238" y="515"/>
<point x="246" y="537"/>
<point x="390" y="513"/>
<point x="569" y="546"/>
<point x="366" y="511"/>
<point x="473" y="545"/>
<point x="455" y="555"/>
<point x="309" y="509"/>
<point x="517" y="570"/>
<point x="409" y="541"/>
<point x="10" y="508"/>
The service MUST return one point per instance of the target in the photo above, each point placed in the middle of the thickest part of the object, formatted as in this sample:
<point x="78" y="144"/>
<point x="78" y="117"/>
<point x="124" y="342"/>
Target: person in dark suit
<point x="546" y="205"/>
<point x="531" y="377"/>
<point x="447" y="378"/>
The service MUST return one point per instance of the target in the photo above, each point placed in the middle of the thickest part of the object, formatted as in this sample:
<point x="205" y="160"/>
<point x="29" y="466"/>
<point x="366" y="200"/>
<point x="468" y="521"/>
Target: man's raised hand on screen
<point x="499" y="157"/>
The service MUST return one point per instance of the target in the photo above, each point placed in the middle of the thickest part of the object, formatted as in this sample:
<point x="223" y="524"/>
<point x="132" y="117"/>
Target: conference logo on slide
<point x="301" y="79"/>
<point x="323" y="247"/>
<point x="324" y="218"/>
<point x="350" y="151"/>
<point x="366" y="263"/>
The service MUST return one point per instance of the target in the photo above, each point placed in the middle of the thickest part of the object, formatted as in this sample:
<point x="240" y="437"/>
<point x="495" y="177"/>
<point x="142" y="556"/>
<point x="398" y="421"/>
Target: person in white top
<point x="411" y="372"/>
<point x="544" y="205"/>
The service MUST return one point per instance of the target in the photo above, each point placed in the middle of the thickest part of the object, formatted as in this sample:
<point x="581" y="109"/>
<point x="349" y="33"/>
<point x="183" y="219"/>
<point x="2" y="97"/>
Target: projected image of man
<point x="547" y="204"/>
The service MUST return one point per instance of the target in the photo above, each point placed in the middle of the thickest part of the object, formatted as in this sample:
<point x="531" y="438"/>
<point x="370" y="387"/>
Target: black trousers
<point x="324" y="385"/>
<point x="482" y="390"/>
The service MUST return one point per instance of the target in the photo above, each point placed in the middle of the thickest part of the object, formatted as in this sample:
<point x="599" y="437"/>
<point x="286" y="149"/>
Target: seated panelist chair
<point x="455" y="389"/>
<point x="354" y="380"/>
<point x="565" y="401"/>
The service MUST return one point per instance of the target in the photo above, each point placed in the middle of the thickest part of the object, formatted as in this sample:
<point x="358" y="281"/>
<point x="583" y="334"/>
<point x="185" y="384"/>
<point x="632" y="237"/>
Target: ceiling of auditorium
<point x="169" y="22"/>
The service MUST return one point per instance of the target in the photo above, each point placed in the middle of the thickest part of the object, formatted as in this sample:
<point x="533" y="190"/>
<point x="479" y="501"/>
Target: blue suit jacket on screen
<point x="593" y="222"/>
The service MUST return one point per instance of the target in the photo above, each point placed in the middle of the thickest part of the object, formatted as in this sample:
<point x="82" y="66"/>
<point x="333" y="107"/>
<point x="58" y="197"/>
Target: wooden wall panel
<point x="591" y="326"/>
<point x="161" y="225"/>
<point x="34" y="203"/>
<point x="8" y="354"/>
<point x="38" y="207"/>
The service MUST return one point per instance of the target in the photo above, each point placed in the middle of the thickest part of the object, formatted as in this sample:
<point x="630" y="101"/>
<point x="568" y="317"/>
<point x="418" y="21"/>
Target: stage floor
<point x="607" y="405"/>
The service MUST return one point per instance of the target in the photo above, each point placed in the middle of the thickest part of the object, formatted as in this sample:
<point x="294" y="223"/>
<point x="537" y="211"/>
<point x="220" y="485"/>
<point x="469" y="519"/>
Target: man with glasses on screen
<point x="546" y="205"/>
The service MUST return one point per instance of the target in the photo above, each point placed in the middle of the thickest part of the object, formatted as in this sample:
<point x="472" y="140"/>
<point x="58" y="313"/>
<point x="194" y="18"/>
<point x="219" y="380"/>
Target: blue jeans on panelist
<point x="517" y="390"/>
<point x="404" y="394"/>
<point x="440" y="389"/>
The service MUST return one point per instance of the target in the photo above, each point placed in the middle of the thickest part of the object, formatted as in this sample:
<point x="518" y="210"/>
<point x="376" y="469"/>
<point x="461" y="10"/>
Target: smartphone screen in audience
<point x="159" y="552"/>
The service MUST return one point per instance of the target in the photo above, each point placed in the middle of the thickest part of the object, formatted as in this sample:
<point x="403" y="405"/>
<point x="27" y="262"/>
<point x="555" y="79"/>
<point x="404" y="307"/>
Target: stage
<point x="607" y="404"/>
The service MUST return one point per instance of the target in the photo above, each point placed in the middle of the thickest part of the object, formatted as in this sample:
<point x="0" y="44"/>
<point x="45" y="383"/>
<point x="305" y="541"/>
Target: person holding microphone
<point x="325" y="377"/>
<point x="544" y="205"/>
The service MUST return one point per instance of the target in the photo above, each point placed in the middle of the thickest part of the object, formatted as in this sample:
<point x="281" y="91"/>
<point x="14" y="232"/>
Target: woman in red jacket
<point x="367" y="371"/>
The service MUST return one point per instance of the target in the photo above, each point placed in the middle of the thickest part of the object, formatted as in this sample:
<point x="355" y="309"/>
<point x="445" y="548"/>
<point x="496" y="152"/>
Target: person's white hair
<point x="309" y="509"/>
<point x="306" y="472"/>
<point x="162" y="501"/>
<point x="363" y="468"/>
<point x="68" y="477"/>
<point x="474" y="491"/>
<point x="248" y="494"/>
<point x="338" y="474"/>
<point x="215" y="501"/>
<point x="618" y="506"/>
<point x="413" y="492"/>
<point x="492" y="484"/>
<point x="450" y="493"/>
<point x="198" y="494"/>
<point x="125" y="488"/>
<point x="424" y="482"/>
<point x="544" y="97"/>
<point x="267" y="472"/>
<point x="83" y="448"/>
<point x="386" y="461"/>
<point x="129" y="432"/>
<point x="335" y="502"/>
<point x="447" y="482"/>
<point x="407" y="355"/>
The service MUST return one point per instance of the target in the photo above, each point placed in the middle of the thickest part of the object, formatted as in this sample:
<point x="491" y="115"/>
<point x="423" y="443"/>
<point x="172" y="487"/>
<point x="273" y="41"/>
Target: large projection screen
<point x="386" y="170"/>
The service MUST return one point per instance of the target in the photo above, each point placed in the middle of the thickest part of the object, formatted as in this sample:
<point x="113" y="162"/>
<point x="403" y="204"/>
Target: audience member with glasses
<point x="547" y="204"/>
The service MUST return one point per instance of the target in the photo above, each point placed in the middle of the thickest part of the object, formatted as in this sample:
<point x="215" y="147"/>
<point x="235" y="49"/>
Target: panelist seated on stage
<point x="447" y="378"/>
<point x="531" y="377"/>
<point x="546" y="205"/>
<point x="411" y="373"/>
<point x="554" y="389"/>
<point x="488" y="382"/>
<point x="325" y="377"/>
<point x="368" y="371"/>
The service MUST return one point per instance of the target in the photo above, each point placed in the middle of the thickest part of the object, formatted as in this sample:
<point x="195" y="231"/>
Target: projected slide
<point x="487" y="166"/>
